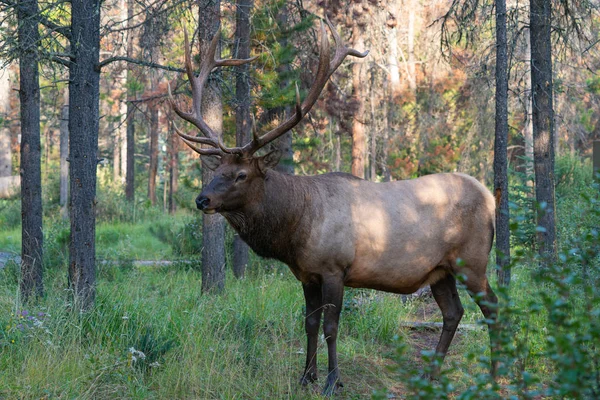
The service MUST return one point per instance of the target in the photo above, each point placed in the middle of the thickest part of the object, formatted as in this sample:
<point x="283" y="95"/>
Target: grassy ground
<point x="114" y="241"/>
<point x="246" y="343"/>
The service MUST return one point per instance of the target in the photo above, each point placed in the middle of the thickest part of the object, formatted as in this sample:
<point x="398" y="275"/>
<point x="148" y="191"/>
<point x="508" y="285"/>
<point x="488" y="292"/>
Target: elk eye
<point x="241" y="176"/>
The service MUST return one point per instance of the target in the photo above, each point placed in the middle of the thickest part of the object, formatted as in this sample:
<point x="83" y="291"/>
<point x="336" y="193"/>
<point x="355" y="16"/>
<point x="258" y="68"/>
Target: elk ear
<point x="269" y="160"/>
<point x="211" y="162"/>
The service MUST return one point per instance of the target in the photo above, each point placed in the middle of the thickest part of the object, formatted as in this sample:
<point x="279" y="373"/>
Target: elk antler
<point x="209" y="62"/>
<point x="324" y="71"/>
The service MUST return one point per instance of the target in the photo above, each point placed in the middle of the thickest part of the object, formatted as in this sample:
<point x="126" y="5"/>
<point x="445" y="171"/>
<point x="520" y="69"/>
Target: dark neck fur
<point x="273" y="226"/>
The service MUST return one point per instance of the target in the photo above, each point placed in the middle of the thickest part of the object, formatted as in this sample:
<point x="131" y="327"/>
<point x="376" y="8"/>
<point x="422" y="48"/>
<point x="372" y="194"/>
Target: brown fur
<point x="335" y="230"/>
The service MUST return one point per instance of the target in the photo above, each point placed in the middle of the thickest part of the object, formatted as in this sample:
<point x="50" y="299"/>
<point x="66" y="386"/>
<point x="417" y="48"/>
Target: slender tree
<point x="84" y="94"/>
<point x="130" y="134"/>
<point x="284" y="143"/>
<point x="359" y="141"/>
<point x="64" y="155"/>
<point x="500" y="147"/>
<point x="31" y="176"/>
<point x="242" y="117"/>
<point x="153" y="168"/>
<point x="5" y="148"/>
<point x="213" y="226"/>
<point x="540" y="27"/>
<point x="173" y="167"/>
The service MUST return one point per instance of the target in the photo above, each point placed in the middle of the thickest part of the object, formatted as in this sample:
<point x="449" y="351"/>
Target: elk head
<point x="239" y="174"/>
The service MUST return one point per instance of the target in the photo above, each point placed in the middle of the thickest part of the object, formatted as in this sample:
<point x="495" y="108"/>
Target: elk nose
<point x="202" y="202"/>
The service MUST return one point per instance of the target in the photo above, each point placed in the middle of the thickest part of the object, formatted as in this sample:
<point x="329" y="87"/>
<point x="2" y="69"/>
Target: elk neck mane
<point x="277" y="224"/>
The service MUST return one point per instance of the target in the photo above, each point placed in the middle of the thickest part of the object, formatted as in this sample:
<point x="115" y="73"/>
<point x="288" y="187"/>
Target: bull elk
<point x="335" y="230"/>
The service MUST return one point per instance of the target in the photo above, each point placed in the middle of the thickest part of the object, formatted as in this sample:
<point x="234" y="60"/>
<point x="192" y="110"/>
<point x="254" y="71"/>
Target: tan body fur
<point x="395" y="236"/>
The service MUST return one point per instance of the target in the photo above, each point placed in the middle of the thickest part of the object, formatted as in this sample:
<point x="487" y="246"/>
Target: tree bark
<point x="528" y="128"/>
<point x="358" y="128"/>
<point x="31" y="283"/>
<point x="500" y="148"/>
<point x="374" y="130"/>
<point x="153" y="169"/>
<point x="116" y="152"/>
<point x="173" y="168"/>
<point x="243" y="122"/>
<point x="130" y="168"/>
<point x="5" y="148"/>
<point x="84" y="81"/>
<point x="213" y="226"/>
<point x="392" y="59"/>
<point x="64" y="155"/>
<point x="543" y="123"/>
<point x="284" y="143"/>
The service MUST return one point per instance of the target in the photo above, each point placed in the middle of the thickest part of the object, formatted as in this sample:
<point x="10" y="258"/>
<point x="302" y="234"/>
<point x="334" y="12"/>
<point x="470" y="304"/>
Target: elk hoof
<point x="308" y="378"/>
<point x="332" y="387"/>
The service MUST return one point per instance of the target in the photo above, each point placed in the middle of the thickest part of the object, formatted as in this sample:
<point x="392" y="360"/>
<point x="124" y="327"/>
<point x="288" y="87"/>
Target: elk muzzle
<point x="203" y="204"/>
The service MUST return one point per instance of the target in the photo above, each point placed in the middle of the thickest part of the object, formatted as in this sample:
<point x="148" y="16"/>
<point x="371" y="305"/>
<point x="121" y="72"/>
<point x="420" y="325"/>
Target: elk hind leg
<point x="488" y="304"/>
<point x="446" y="296"/>
<point x="333" y="293"/>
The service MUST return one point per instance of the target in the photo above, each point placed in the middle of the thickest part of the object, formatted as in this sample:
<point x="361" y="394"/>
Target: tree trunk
<point x="500" y="147"/>
<point x="213" y="227"/>
<point x="392" y="60"/>
<point x="284" y="143"/>
<point x="173" y="168"/>
<point x="243" y="122"/>
<point x="32" y="244"/>
<point x="358" y="128"/>
<point x="153" y="169"/>
<point x="64" y="155"/>
<point x="116" y="151"/>
<point x="412" y="75"/>
<point x="543" y="121"/>
<point x="528" y="128"/>
<point x="5" y="148"/>
<point x="374" y="129"/>
<point x="130" y="172"/>
<point x="84" y="81"/>
<point x="122" y="130"/>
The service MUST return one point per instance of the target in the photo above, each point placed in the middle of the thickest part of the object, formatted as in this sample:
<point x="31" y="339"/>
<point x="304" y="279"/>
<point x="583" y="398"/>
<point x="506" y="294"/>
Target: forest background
<point x="422" y="102"/>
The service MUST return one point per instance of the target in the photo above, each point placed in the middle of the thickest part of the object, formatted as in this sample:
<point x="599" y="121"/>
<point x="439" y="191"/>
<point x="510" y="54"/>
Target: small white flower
<point x="125" y="317"/>
<point x="135" y="354"/>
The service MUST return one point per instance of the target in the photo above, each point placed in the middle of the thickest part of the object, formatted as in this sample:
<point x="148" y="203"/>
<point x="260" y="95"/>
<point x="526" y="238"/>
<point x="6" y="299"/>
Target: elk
<point x="336" y="230"/>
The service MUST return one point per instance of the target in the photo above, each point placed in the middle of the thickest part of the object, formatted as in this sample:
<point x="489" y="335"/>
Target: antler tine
<point x="195" y="139"/>
<point x="341" y="51"/>
<point x="203" y="152"/>
<point x="324" y="71"/>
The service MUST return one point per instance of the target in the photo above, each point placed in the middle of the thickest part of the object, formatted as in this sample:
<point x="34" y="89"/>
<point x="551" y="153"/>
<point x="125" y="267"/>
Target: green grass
<point x="114" y="241"/>
<point x="246" y="343"/>
<point x="10" y="240"/>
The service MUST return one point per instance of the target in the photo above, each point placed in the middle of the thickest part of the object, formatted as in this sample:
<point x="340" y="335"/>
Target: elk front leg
<point x="333" y="293"/>
<point x="312" y="295"/>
